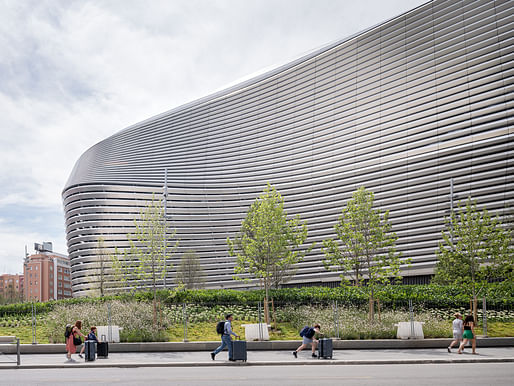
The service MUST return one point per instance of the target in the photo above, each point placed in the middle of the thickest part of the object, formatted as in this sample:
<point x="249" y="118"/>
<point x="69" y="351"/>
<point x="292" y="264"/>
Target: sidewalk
<point x="265" y="358"/>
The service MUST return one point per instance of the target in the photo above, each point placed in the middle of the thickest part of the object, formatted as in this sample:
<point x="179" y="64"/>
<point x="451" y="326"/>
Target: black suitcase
<point x="90" y="350"/>
<point x="102" y="349"/>
<point x="239" y="350"/>
<point x="325" y="348"/>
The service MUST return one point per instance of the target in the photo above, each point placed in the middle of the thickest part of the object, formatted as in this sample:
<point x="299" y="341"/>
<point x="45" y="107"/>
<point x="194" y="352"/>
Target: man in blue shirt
<point x="226" y="339"/>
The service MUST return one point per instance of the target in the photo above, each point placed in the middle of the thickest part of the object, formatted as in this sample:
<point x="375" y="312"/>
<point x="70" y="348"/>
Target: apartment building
<point x="47" y="274"/>
<point x="11" y="287"/>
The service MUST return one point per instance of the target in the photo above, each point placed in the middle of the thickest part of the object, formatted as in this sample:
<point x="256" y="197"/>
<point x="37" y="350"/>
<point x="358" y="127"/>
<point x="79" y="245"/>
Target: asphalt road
<point x="468" y="374"/>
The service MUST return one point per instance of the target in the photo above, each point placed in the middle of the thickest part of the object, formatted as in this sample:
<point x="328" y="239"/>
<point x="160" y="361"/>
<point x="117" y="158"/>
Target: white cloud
<point x="74" y="72"/>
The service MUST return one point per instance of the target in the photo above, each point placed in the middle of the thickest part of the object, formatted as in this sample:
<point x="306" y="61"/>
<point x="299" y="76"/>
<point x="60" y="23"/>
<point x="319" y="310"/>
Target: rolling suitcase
<point x="90" y="350"/>
<point x="325" y="348"/>
<point x="239" y="350"/>
<point x="102" y="349"/>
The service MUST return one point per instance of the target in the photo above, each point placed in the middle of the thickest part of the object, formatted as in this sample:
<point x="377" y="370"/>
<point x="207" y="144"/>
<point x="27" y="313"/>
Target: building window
<point x="51" y="268"/>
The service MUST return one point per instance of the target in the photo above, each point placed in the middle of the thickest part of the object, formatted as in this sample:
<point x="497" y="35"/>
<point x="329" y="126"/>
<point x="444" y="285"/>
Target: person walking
<point x="72" y="341"/>
<point x="310" y="336"/>
<point x="458" y="327"/>
<point x="226" y="338"/>
<point x="469" y="335"/>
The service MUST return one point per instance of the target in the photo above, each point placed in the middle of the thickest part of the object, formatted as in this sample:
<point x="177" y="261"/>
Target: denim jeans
<point x="225" y="341"/>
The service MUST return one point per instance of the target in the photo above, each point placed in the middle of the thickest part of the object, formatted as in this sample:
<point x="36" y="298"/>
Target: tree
<point x="367" y="247"/>
<point x="148" y="244"/>
<point x="268" y="243"/>
<point x="475" y="250"/>
<point x="98" y="273"/>
<point x="282" y="274"/>
<point x="189" y="272"/>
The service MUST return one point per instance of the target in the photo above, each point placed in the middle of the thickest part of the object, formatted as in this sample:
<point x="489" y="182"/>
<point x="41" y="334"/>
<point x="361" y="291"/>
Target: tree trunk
<point x="371" y="308"/>
<point x="274" y="315"/>
<point x="475" y="310"/>
<point x="266" y="310"/>
<point x="154" y="308"/>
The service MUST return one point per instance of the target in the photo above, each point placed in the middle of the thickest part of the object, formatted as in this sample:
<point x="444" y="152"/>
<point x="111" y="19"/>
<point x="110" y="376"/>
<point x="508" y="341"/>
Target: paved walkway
<point x="266" y="358"/>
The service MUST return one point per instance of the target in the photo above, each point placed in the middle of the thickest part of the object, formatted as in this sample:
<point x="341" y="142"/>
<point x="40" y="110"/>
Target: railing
<point x="5" y="342"/>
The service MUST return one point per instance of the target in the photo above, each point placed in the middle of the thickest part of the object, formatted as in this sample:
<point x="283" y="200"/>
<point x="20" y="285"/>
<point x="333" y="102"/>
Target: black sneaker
<point x="212" y="355"/>
<point x="295" y="354"/>
<point x="314" y="355"/>
<point x="80" y="355"/>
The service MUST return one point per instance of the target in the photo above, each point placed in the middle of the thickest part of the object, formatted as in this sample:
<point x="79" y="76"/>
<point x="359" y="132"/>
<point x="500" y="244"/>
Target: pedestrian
<point x="226" y="338"/>
<point x="469" y="334"/>
<point x="310" y="336"/>
<point x="73" y="340"/>
<point x="457" y="325"/>
<point x="92" y="335"/>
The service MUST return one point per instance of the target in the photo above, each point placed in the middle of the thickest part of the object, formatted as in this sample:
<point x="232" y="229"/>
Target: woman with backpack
<point x="73" y="340"/>
<point x="309" y="335"/>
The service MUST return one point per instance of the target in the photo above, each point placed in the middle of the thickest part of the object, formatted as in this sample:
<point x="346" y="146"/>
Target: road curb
<point x="324" y="362"/>
<point x="277" y="345"/>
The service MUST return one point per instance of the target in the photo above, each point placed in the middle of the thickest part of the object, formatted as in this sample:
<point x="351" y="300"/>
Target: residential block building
<point x="11" y="287"/>
<point x="47" y="274"/>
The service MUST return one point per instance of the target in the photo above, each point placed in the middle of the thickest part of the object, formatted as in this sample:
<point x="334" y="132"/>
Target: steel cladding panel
<point x="401" y="109"/>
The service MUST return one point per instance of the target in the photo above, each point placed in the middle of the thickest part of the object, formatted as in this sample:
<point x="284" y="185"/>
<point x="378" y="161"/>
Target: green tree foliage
<point x="268" y="244"/>
<point x="189" y="272"/>
<point x="366" y="248"/>
<point x="99" y="271"/>
<point x="475" y="249"/>
<point x="146" y="259"/>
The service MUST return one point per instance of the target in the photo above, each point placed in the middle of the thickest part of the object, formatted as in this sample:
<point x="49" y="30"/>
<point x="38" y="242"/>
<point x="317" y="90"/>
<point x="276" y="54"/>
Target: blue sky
<point x="74" y="72"/>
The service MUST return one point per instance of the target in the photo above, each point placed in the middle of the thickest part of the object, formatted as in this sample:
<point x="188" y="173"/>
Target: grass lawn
<point x="498" y="329"/>
<point x="25" y="333"/>
<point x="206" y="331"/>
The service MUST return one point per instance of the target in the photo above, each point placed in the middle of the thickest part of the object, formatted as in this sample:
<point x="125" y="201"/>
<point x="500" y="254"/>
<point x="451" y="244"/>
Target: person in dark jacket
<point x="312" y="340"/>
<point x="92" y="334"/>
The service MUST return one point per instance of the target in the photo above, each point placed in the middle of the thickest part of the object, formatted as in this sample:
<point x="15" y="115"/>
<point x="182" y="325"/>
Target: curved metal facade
<point x="401" y="108"/>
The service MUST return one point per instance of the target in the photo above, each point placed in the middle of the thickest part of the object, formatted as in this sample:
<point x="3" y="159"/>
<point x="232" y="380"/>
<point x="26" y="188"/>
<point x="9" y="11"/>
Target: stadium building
<point x="418" y="109"/>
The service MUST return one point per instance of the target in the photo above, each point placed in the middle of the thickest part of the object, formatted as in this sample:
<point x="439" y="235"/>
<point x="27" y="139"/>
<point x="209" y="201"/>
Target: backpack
<point x="67" y="331"/>
<point x="307" y="331"/>
<point x="220" y="327"/>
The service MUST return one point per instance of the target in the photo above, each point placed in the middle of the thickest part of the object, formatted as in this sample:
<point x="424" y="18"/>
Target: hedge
<point x="498" y="295"/>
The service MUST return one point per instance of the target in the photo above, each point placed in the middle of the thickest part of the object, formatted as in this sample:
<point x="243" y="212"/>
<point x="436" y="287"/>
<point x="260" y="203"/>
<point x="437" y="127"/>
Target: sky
<point x="74" y="72"/>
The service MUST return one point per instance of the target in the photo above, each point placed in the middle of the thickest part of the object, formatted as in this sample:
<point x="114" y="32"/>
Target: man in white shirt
<point x="458" y="327"/>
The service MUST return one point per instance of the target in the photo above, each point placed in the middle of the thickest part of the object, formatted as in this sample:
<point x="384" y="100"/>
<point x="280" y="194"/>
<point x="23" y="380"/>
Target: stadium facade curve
<point x="406" y="108"/>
